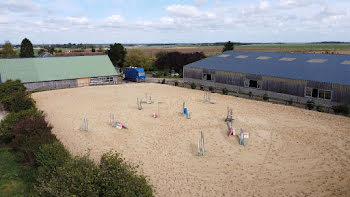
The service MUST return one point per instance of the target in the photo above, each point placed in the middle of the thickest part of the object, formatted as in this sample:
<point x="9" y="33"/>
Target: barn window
<point x="327" y="94"/>
<point x="318" y="93"/>
<point x="253" y="84"/>
<point x="208" y="77"/>
<point x="321" y="94"/>
<point x="308" y="92"/>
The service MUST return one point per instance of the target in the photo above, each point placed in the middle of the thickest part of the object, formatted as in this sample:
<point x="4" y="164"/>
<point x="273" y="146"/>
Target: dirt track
<point x="290" y="152"/>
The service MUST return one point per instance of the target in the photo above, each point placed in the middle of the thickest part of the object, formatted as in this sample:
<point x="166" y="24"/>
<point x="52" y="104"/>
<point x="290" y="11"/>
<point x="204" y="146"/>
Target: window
<point x="208" y="77"/>
<point x="308" y="92"/>
<point x="246" y="83"/>
<point x="321" y="94"/>
<point x="314" y="93"/>
<point x="318" y="93"/>
<point x="327" y="94"/>
<point x="253" y="84"/>
<point x="317" y="60"/>
<point x="259" y="84"/>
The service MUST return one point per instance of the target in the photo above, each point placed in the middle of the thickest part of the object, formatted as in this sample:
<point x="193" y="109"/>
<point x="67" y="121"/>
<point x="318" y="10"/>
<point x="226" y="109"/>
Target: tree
<point x="51" y="50"/>
<point x="7" y="51"/>
<point x="176" y="60"/>
<point x="26" y="48"/>
<point x="139" y="59"/>
<point x="117" y="54"/>
<point x="228" y="46"/>
<point x="93" y="49"/>
<point x="160" y="54"/>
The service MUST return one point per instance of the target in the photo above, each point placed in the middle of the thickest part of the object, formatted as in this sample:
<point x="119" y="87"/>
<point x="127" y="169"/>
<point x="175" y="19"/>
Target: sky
<point x="173" y="21"/>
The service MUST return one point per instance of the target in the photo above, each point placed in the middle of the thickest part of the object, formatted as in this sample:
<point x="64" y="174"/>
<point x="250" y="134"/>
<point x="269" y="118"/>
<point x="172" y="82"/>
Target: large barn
<point x="59" y="72"/>
<point x="325" y="78"/>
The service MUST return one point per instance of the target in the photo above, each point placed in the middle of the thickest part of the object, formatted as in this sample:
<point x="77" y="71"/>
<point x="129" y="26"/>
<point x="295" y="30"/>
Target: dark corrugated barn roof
<point x="302" y="66"/>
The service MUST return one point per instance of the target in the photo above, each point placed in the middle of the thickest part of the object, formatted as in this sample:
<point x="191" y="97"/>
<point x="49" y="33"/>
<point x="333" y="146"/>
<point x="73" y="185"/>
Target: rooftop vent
<point x="287" y="59"/>
<point x="241" y="56"/>
<point x="263" y="58"/>
<point x="346" y="62"/>
<point x="317" y="60"/>
<point x="224" y="55"/>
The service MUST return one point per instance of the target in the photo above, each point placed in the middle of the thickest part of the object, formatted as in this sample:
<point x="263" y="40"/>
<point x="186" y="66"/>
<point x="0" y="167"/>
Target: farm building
<point x="299" y="77"/>
<point x="59" y="72"/>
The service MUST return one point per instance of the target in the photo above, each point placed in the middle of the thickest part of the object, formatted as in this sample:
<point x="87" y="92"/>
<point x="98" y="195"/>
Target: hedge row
<point x="58" y="173"/>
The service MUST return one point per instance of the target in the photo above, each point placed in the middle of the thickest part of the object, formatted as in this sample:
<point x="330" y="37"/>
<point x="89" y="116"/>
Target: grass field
<point x="15" y="180"/>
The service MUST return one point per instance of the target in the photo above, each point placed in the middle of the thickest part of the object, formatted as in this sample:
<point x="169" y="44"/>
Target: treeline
<point x="163" y="61"/>
<point x="25" y="51"/>
<point x="55" y="171"/>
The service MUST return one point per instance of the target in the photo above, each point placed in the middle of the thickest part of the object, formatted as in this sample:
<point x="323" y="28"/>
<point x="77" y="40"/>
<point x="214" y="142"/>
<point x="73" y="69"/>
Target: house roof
<point x="55" y="68"/>
<point x="301" y="66"/>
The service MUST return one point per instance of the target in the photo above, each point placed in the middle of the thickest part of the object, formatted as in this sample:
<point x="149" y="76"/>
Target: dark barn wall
<point x="192" y="73"/>
<point x="50" y="85"/>
<point x="285" y="86"/>
<point x="341" y="93"/>
<point x="230" y="78"/>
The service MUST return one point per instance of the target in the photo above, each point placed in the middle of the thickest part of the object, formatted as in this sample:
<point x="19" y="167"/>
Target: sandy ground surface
<point x="290" y="152"/>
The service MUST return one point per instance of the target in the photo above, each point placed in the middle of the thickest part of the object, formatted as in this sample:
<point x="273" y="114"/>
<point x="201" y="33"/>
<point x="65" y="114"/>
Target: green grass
<point x="298" y="46"/>
<point x="15" y="180"/>
<point x="18" y="50"/>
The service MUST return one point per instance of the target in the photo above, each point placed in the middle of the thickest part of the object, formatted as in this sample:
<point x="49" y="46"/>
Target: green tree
<point x="51" y="50"/>
<point x="160" y="54"/>
<point x="138" y="58"/>
<point x="26" y="48"/>
<point x="228" y="46"/>
<point x="7" y="51"/>
<point x="117" y="54"/>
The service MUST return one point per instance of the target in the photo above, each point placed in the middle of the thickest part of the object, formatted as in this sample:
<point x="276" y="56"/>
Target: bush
<point x="266" y="97"/>
<point x="320" y="108"/>
<point x="341" y="109"/>
<point x="9" y="87"/>
<point x="29" y="134"/>
<point x="310" y="104"/>
<point x="201" y="87"/>
<point x="225" y="91"/>
<point x="211" y="88"/>
<point x="78" y="177"/>
<point x="250" y="94"/>
<point x="49" y="158"/>
<point x="176" y="83"/>
<point x="193" y="85"/>
<point x="290" y="102"/>
<point x="18" y="101"/>
<point x="163" y="81"/>
<point x="118" y="178"/>
<point x="10" y="120"/>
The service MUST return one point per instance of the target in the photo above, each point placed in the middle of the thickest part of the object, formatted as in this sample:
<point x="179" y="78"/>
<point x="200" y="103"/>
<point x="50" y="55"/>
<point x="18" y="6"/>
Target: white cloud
<point x="188" y="11"/>
<point x="289" y="4"/>
<point x="20" y="6"/>
<point x="200" y="20"/>
<point x="77" y="20"/>
<point x="115" y="19"/>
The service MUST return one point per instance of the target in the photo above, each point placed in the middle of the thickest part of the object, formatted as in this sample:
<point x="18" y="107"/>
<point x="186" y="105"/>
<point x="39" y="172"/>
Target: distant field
<point x="153" y="50"/>
<point x="298" y="46"/>
<point x="213" y="50"/>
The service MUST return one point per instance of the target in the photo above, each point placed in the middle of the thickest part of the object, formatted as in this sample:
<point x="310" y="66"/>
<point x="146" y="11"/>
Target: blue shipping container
<point x="135" y="74"/>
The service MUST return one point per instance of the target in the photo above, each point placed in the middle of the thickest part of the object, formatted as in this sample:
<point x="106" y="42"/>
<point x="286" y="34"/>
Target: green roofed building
<point x="59" y="72"/>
